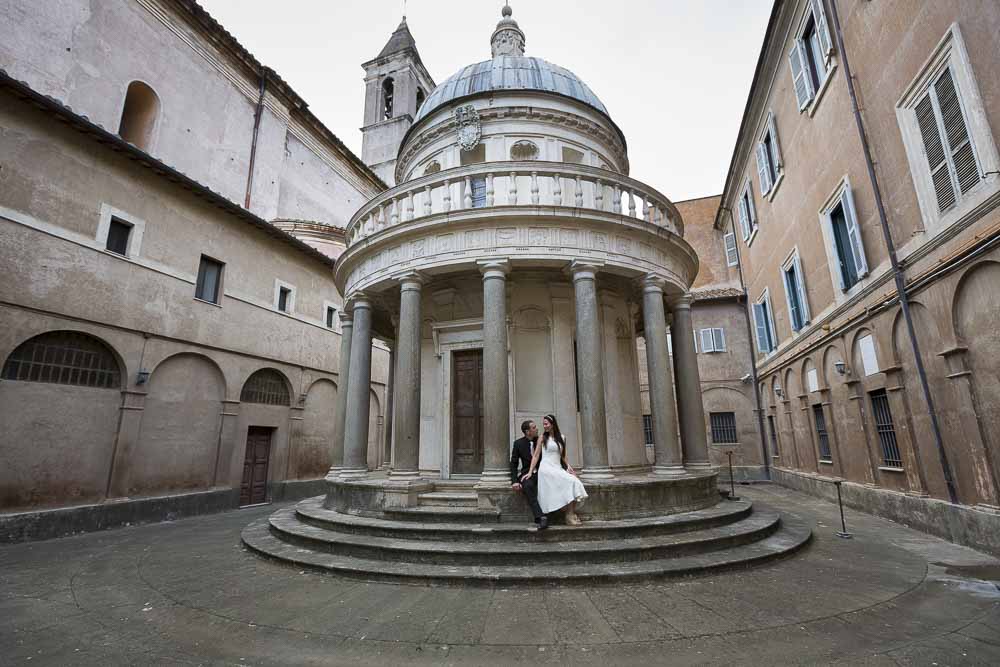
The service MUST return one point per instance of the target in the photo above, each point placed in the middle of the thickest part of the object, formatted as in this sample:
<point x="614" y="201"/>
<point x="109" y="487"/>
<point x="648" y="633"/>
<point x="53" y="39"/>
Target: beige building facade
<point x="823" y="255"/>
<point x="170" y="323"/>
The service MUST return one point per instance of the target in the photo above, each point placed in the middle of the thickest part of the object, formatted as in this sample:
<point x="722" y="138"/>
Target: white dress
<point x="556" y="487"/>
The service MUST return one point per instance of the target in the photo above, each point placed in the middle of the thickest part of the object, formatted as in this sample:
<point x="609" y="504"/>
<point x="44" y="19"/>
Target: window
<point x="209" y="280"/>
<point x="747" y="214"/>
<point x="769" y="165"/>
<point x="284" y="298"/>
<point x="822" y="436"/>
<point x="647" y="428"/>
<point x="795" y="293"/>
<point x="64" y="357"/>
<point x="947" y="136"/>
<point x="266" y="386"/>
<point x="331" y="317"/>
<point x="869" y="360"/>
<point x="139" y="115"/>
<point x="774" y="435"/>
<point x="572" y="155"/>
<point x="478" y="192"/>
<point x="886" y="431"/>
<point x="766" y="339"/>
<point x="420" y="98"/>
<point x="732" y="255"/>
<point x="118" y="233"/>
<point x="723" y="427"/>
<point x="844" y="240"/>
<point x="388" y="93"/>
<point x="713" y="340"/>
<point x="810" y="57"/>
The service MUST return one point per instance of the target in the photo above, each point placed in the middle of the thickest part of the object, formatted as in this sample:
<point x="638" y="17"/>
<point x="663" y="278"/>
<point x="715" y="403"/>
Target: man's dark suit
<point x="520" y="457"/>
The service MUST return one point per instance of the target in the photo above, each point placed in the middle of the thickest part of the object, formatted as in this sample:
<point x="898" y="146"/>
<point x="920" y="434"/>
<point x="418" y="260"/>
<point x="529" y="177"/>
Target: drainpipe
<point x="753" y="359"/>
<point x="897" y="273"/>
<point x="256" y="130"/>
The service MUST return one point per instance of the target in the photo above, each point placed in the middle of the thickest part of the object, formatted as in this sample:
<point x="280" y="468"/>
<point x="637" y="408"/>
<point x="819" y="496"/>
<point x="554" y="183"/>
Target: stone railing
<point x="491" y="185"/>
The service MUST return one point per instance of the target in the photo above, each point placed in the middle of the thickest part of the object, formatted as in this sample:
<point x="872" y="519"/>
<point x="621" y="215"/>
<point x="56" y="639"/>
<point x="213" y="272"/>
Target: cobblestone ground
<point x="186" y="592"/>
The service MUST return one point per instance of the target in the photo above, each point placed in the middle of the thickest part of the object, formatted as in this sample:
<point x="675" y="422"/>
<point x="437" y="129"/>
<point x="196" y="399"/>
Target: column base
<point x="699" y="467"/>
<point x="353" y="473"/>
<point x="668" y="470"/>
<point x="596" y="474"/>
<point x="403" y="475"/>
<point x="334" y="473"/>
<point x="492" y="479"/>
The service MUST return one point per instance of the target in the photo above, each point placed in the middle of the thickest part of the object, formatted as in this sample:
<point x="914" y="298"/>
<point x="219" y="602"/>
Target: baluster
<point x="578" y="199"/>
<point x="631" y="204"/>
<point x="534" y="188"/>
<point x="616" y="199"/>
<point x="428" y="201"/>
<point x="489" y="190"/>
<point x="557" y="189"/>
<point x="512" y="190"/>
<point x="380" y="224"/>
<point x="599" y="195"/>
<point x="409" y="205"/>
<point x="447" y="195"/>
<point x="394" y="212"/>
<point x="467" y="199"/>
<point x="645" y="209"/>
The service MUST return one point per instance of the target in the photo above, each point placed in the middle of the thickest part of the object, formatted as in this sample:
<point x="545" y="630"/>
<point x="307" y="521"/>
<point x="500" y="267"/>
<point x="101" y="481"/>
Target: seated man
<point x="520" y="457"/>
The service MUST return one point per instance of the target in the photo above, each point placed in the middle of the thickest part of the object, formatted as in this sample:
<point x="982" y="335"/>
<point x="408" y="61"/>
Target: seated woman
<point x="558" y="485"/>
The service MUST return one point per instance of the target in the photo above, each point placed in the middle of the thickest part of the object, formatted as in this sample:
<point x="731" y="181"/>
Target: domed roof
<point x="510" y="72"/>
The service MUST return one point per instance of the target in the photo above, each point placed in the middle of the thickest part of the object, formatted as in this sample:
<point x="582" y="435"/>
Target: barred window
<point x="886" y="430"/>
<point x="821" y="434"/>
<point x="64" y="357"/>
<point x="266" y="386"/>
<point x="723" y="427"/>
<point x="647" y="428"/>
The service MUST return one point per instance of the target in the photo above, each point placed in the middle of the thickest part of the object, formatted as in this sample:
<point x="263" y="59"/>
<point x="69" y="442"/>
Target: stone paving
<point x="186" y="592"/>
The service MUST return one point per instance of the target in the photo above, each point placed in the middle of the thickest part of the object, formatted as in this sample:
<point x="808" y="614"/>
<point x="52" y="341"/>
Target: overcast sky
<point x="674" y="74"/>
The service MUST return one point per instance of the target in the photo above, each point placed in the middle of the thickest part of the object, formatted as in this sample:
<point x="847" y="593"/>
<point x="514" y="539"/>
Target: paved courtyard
<point x="187" y="593"/>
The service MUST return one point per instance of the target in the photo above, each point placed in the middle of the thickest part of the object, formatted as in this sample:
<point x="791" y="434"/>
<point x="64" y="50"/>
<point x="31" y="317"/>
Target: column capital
<point x="346" y="318"/>
<point x="359" y="300"/>
<point x="653" y="283"/>
<point x="410" y="280"/>
<point x="496" y="268"/>
<point x="683" y="301"/>
<point x="584" y="270"/>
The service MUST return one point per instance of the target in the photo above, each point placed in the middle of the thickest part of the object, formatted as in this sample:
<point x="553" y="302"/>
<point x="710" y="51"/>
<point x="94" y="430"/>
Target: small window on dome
<point x="572" y="155"/>
<point x="432" y="168"/>
<point x="523" y="151"/>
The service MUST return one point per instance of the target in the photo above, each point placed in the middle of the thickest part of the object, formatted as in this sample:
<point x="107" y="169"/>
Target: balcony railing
<point x="503" y="184"/>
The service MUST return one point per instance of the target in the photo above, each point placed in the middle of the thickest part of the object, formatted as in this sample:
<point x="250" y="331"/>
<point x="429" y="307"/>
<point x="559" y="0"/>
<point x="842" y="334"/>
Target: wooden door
<point x="467" y="412"/>
<point x="253" y="490"/>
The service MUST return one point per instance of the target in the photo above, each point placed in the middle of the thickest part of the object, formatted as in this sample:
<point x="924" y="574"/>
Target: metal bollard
<point x="732" y="483"/>
<point x="843" y="524"/>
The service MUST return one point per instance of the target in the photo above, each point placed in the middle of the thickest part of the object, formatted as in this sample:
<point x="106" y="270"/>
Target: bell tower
<point x="396" y="84"/>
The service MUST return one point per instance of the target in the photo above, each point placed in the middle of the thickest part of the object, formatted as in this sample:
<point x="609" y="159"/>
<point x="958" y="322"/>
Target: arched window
<point x="420" y="98"/>
<point x="388" y="91"/>
<point x="142" y="107"/>
<point x="266" y="386"/>
<point x="64" y="357"/>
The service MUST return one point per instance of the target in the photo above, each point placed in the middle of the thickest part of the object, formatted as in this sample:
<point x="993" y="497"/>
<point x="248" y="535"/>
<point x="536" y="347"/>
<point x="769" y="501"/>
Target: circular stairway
<point x="447" y="539"/>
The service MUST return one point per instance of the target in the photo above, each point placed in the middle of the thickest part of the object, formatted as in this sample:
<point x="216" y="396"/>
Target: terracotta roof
<point x="113" y="142"/>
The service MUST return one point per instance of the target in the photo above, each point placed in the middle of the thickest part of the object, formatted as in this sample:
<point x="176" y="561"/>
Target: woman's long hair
<point x="557" y="435"/>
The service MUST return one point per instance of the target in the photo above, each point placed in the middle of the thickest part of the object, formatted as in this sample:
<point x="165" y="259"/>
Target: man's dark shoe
<point x="543" y="523"/>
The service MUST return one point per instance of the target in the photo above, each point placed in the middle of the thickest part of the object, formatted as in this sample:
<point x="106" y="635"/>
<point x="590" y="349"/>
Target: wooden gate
<point x="467" y="411"/>
<point x="253" y="490"/>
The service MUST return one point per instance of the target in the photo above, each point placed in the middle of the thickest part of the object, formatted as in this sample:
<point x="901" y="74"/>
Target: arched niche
<point x="531" y="332"/>
<point x="312" y="455"/>
<point x="140" y="113"/>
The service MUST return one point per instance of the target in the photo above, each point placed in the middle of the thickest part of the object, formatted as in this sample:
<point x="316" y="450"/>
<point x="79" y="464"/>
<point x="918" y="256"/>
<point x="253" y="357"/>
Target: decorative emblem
<point x="469" y="129"/>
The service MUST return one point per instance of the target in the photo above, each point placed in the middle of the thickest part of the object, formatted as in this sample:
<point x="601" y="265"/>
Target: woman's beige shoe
<point x="573" y="520"/>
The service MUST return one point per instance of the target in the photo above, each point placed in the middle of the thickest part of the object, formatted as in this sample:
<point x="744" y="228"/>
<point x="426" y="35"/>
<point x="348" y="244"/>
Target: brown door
<point x="467" y="408"/>
<point x="254" y="488"/>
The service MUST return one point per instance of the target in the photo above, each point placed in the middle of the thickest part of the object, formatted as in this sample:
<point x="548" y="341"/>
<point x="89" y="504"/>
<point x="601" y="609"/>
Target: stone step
<point x="791" y="535"/>
<point x="286" y="526"/>
<point x="453" y="524"/>
<point x="448" y="498"/>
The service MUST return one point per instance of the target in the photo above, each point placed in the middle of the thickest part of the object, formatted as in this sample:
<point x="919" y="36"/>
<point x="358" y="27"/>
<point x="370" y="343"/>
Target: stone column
<point x="390" y="407"/>
<point x="358" y="392"/>
<point x="691" y="412"/>
<point x="406" y="421"/>
<point x="340" y="409"/>
<point x="496" y="398"/>
<point x="661" y="382"/>
<point x="589" y="368"/>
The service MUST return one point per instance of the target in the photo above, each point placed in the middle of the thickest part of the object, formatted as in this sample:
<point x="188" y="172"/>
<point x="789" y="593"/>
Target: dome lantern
<point x="507" y="39"/>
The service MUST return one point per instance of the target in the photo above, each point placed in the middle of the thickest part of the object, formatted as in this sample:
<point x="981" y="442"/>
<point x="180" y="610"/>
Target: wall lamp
<point x="778" y="392"/>
<point x="841" y="367"/>
<point x="142" y="376"/>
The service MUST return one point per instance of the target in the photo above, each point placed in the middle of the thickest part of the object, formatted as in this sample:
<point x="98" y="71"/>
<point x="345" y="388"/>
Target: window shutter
<point x="769" y="312"/>
<point x="822" y="30"/>
<point x="779" y="163"/>
<point x="761" y="324"/>
<point x="751" y="212"/>
<point x="732" y="256"/>
<point x="956" y="132"/>
<point x="744" y="218"/>
<point x="719" y="340"/>
<point x="800" y="78"/>
<point x="696" y="341"/>
<point x="934" y="151"/>
<point x="707" y="344"/>
<point x="803" y="302"/>
<point x="854" y="231"/>
<point x="762" y="171"/>
<point x="794" y="315"/>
